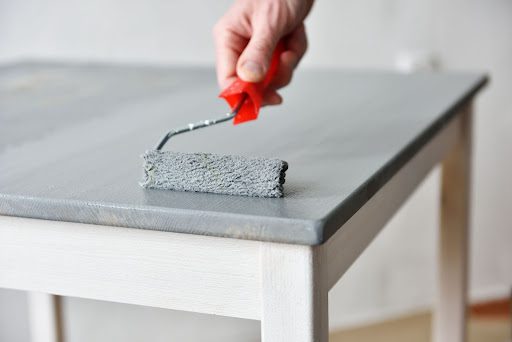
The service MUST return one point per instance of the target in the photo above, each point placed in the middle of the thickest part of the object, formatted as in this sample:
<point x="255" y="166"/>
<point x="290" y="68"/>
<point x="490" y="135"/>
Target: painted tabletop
<point x="71" y="137"/>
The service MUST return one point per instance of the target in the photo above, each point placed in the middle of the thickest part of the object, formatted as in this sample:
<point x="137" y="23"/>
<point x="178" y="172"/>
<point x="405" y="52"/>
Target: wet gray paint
<point x="71" y="139"/>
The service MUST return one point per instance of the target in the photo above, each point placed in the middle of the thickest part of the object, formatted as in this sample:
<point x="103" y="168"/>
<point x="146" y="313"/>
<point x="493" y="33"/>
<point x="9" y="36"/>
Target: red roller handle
<point x="255" y="91"/>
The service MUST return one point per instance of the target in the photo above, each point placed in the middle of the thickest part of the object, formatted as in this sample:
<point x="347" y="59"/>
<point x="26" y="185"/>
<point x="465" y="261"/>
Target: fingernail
<point x="277" y="99"/>
<point x="251" y="71"/>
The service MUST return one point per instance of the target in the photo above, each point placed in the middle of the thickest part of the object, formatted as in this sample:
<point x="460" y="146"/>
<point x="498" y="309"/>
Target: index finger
<point x="228" y="47"/>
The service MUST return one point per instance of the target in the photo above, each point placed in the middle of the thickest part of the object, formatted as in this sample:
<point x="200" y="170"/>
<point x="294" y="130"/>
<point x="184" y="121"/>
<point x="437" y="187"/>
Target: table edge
<point x="247" y="227"/>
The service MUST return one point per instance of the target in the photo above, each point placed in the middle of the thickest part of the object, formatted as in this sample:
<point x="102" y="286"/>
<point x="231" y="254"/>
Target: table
<point x="74" y="221"/>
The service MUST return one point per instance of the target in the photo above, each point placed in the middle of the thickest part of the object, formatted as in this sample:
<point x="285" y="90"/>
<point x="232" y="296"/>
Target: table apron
<point x="160" y="269"/>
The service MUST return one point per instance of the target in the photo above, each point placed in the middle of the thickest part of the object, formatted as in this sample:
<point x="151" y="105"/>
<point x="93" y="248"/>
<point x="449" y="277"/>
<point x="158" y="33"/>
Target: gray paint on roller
<point x="220" y="174"/>
<point x="71" y="137"/>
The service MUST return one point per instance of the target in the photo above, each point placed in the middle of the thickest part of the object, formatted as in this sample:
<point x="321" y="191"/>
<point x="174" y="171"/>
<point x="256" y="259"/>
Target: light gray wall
<point x="13" y="316"/>
<point x="396" y="274"/>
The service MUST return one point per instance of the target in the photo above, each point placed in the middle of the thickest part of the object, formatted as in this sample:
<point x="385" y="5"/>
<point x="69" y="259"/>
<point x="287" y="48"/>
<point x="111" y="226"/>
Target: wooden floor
<point x="490" y="322"/>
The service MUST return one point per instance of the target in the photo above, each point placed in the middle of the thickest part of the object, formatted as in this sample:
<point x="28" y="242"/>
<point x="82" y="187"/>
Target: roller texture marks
<point x="221" y="174"/>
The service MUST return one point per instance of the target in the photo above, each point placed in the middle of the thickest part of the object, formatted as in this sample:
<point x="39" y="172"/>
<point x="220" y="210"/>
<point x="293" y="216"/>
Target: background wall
<point x="396" y="273"/>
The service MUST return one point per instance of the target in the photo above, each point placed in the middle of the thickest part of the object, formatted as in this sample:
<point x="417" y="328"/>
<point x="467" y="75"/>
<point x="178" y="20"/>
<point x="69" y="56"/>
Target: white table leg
<point x="44" y="317"/>
<point x="450" y="315"/>
<point x="294" y="294"/>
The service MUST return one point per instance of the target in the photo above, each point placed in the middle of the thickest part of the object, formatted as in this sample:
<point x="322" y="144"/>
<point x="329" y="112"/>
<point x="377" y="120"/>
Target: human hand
<point x="246" y="36"/>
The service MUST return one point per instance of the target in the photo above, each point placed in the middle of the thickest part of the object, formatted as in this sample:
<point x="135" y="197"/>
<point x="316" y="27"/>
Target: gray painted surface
<point x="71" y="139"/>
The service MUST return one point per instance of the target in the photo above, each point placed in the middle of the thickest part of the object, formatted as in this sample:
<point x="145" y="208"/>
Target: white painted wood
<point x="45" y="319"/>
<point x="450" y="315"/>
<point x="349" y="242"/>
<point x="161" y="269"/>
<point x="294" y="294"/>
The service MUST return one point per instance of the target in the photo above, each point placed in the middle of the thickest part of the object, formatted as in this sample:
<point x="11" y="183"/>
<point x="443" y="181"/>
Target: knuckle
<point x="220" y="29"/>
<point x="217" y="29"/>
<point x="274" y="13"/>
<point x="261" y="46"/>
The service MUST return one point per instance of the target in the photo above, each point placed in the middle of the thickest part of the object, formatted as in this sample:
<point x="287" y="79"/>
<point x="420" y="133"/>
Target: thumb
<point x="254" y="61"/>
